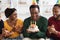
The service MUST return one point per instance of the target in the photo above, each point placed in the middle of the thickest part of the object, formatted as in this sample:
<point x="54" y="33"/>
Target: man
<point x="35" y="26"/>
<point x="54" y="23"/>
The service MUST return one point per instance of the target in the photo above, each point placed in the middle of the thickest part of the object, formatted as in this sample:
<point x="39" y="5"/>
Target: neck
<point x="0" y="19"/>
<point x="12" y="20"/>
<point x="35" y="19"/>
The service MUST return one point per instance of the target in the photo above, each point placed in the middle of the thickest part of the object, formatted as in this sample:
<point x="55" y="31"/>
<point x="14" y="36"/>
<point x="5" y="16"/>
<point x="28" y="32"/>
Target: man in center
<point x="35" y="26"/>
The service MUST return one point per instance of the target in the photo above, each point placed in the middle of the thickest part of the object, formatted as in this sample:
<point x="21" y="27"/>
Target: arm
<point x="25" y="33"/>
<point x="57" y="33"/>
<point x="49" y="25"/>
<point x="42" y="32"/>
<point x="19" y="26"/>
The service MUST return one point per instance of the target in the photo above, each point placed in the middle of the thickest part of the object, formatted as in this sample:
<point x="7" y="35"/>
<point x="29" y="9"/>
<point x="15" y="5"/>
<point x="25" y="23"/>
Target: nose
<point x="34" y="15"/>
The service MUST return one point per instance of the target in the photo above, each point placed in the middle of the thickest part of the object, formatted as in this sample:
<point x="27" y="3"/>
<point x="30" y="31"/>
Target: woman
<point x="12" y="26"/>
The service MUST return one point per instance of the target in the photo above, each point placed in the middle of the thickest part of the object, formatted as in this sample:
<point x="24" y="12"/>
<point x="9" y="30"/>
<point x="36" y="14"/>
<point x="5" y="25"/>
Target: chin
<point x="34" y="19"/>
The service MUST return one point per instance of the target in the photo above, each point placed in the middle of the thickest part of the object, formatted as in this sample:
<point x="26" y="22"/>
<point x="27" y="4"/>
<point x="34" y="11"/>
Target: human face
<point x="13" y="16"/>
<point x="56" y="11"/>
<point x="34" y="13"/>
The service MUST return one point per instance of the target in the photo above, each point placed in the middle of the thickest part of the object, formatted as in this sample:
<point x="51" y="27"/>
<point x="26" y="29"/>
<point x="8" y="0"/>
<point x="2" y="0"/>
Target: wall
<point x="22" y="7"/>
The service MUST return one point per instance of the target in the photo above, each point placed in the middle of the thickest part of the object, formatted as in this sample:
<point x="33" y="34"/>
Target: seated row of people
<point x="34" y="27"/>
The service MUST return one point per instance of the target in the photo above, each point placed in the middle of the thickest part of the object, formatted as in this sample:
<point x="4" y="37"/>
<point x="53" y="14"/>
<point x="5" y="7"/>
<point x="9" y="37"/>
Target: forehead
<point x="34" y="9"/>
<point x="14" y="12"/>
<point x="56" y="8"/>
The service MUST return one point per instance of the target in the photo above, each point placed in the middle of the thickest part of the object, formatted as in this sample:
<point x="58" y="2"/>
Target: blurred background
<point x="22" y="7"/>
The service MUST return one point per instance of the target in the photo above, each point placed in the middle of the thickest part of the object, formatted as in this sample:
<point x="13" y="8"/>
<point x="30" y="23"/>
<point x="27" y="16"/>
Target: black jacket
<point x="1" y="26"/>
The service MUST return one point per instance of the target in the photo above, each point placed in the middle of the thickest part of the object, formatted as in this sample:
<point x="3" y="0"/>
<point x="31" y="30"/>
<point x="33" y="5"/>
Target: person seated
<point x="35" y="26"/>
<point x="54" y="24"/>
<point x="13" y="25"/>
<point x="1" y="27"/>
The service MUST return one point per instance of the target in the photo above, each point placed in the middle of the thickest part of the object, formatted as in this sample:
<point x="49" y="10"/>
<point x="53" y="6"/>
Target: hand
<point x="1" y="36"/>
<point x="18" y="29"/>
<point x="15" y="29"/>
<point x="37" y="30"/>
<point x="28" y="31"/>
<point x="52" y="29"/>
<point x="5" y="33"/>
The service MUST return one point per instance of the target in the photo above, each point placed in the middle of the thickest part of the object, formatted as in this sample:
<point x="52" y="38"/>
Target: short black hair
<point x="9" y="11"/>
<point x="58" y="5"/>
<point x="34" y="6"/>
